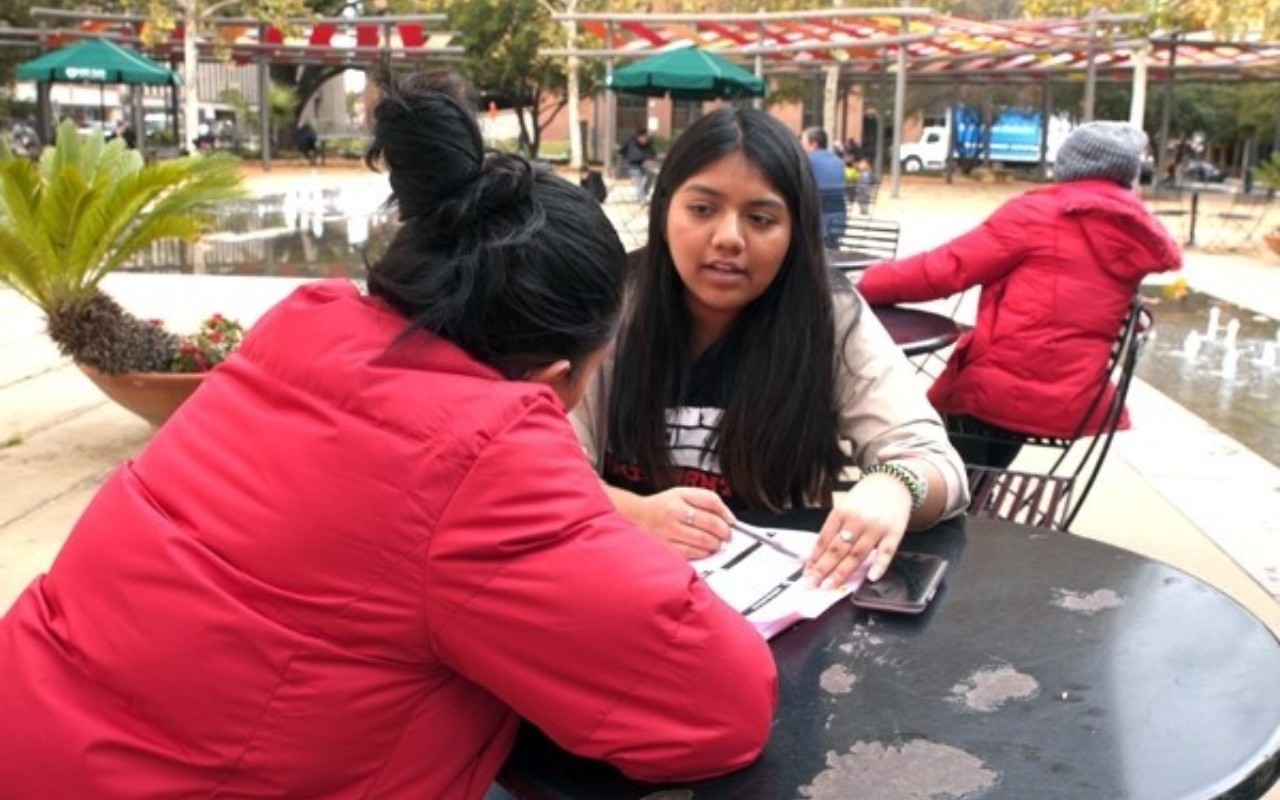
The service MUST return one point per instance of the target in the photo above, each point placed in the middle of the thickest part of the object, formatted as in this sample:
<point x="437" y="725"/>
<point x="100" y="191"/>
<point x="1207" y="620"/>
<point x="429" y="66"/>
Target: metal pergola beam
<point x="753" y="17"/>
<point x="321" y="55"/>
<point x="91" y="16"/>
<point x="1091" y="50"/>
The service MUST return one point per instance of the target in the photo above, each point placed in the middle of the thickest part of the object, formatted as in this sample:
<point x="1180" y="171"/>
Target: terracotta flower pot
<point x="151" y="395"/>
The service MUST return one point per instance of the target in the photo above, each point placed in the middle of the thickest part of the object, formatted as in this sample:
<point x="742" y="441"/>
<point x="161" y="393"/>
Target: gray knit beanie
<point x="1110" y="151"/>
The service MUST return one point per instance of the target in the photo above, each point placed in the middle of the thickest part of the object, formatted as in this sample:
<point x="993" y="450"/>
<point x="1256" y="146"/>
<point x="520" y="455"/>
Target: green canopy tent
<point x="99" y="61"/>
<point x="687" y="74"/>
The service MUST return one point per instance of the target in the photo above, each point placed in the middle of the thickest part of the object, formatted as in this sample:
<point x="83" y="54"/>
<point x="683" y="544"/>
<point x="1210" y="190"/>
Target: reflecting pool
<point x="314" y="232"/>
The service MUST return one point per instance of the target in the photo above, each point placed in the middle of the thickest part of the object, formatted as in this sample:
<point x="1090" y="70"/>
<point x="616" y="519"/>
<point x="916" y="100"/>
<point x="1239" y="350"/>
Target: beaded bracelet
<point x="909" y="477"/>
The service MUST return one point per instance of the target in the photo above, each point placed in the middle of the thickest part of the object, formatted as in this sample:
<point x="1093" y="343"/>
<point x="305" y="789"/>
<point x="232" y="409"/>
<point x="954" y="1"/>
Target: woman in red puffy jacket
<point x="1058" y="267"/>
<point x="371" y="543"/>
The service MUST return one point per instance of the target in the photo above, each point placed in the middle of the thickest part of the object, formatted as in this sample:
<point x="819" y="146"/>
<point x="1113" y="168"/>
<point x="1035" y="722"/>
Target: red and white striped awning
<point x="363" y="41"/>
<point x="937" y="46"/>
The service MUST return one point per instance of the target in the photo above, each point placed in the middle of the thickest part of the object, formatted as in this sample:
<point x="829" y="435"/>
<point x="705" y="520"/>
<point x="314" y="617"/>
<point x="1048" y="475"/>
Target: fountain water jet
<point x="1233" y="329"/>
<point x="1191" y="345"/>
<point x="1211" y="330"/>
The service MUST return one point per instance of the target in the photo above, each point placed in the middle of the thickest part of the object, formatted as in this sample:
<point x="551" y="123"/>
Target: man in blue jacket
<point x="828" y="173"/>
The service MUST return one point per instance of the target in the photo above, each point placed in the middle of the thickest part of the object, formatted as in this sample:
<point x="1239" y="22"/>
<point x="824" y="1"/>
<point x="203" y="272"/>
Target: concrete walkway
<point x="1174" y="488"/>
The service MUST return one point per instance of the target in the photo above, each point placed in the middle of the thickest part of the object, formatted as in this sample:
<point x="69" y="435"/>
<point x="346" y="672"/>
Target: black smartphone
<point x="906" y="587"/>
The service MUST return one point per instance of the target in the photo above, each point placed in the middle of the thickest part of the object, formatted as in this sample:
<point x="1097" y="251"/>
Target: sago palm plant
<point x="69" y="221"/>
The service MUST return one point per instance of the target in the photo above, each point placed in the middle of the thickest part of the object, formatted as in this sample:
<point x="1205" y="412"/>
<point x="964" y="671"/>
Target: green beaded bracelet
<point x="909" y="477"/>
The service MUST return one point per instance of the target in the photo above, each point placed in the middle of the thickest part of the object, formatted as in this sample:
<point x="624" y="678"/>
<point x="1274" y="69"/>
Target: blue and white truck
<point x="1014" y="139"/>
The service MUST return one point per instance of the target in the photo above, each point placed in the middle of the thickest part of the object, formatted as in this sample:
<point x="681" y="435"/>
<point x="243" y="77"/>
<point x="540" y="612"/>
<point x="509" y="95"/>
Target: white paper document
<point x="765" y="584"/>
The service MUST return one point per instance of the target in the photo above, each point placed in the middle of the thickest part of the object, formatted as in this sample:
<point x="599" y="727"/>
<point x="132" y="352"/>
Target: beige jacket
<point x="883" y="409"/>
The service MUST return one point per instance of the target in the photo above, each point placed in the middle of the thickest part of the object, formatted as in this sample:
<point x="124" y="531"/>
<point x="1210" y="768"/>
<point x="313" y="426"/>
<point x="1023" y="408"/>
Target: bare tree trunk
<point x="574" y="91"/>
<point x="190" y="65"/>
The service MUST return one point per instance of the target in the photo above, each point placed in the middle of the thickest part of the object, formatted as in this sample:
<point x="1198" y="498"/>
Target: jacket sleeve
<point x="975" y="258"/>
<point x="592" y="630"/>
<point x="883" y="408"/>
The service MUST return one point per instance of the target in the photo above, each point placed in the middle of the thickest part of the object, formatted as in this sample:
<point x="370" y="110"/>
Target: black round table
<point x="915" y="331"/>
<point x="1048" y="666"/>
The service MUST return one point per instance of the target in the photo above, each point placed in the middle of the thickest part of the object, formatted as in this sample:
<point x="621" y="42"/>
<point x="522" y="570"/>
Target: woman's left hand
<point x="868" y="522"/>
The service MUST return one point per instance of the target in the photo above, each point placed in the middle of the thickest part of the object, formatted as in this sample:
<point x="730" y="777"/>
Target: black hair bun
<point x="442" y="179"/>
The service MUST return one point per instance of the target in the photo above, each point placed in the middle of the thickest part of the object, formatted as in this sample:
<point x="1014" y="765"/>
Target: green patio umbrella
<point x="97" y="61"/>
<point x="687" y="74"/>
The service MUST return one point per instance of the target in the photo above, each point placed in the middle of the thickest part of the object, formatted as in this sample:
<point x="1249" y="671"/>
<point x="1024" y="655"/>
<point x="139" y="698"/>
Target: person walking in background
<point x="1058" y="267"/>
<point x="593" y="182"/>
<point x="125" y="131"/>
<point x="864" y="188"/>
<point x="828" y="173"/>
<point x="635" y="152"/>
<point x="307" y="142"/>
<point x="25" y="140"/>
<point x="402" y="551"/>
<point x="740" y="368"/>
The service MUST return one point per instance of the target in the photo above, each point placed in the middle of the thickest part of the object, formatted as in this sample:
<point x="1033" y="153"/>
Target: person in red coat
<point x="371" y="543"/>
<point x="1058" y="267"/>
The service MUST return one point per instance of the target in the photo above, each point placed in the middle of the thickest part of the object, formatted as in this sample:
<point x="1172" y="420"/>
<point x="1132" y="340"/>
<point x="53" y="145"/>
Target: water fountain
<point x="1211" y="330"/>
<point x="1268" y="357"/>
<point x="1191" y="346"/>
<point x="1233" y="330"/>
<point x="1219" y="361"/>
<point x="1230" y="364"/>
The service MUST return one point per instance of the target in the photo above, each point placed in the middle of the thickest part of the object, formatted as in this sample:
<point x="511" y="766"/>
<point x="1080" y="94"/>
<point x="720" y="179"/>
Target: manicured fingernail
<point x="829" y="583"/>
<point x="876" y="572"/>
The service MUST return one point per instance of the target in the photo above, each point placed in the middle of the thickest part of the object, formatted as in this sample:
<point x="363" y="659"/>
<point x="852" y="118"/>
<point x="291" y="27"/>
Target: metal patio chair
<point x="1042" y="501"/>
<point x="877" y="238"/>
<point x="1052" y="497"/>
<point x="1235" y="226"/>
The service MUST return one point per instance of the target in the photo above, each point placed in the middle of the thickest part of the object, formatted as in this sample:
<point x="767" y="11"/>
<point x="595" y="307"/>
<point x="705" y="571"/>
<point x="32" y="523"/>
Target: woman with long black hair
<point x="741" y="369"/>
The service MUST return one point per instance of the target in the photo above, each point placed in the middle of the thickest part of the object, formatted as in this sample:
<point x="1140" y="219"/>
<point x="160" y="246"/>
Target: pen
<point x="763" y="538"/>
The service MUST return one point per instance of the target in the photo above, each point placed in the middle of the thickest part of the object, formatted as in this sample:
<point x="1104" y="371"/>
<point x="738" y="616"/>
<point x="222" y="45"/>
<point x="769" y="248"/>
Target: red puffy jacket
<point x="343" y="570"/>
<point x="1057" y="267"/>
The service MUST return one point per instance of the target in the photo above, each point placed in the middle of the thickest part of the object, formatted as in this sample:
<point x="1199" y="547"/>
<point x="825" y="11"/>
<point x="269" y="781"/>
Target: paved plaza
<point x="1175" y="487"/>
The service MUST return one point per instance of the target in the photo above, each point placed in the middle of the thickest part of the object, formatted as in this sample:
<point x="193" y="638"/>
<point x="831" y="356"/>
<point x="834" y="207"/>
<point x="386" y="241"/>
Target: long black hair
<point x="515" y="265"/>
<point x="778" y="439"/>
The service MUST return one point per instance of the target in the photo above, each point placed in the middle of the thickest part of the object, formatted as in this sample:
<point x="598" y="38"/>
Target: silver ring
<point x="846" y="537"/>
<point x="688" y="516"/>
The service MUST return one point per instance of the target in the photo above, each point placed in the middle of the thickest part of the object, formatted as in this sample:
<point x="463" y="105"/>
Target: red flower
<point x="217" y="338"/>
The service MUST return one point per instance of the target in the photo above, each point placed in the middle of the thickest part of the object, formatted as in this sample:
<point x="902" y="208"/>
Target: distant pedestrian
<point x="864" y="192"/>
<point x="307" y="142"/>
<point x="25" y="140"/>
<point x="828" y="174"/>
<point x="593" y="182"/>
<point x="125" y="131"/>
<point x="635" y="152"/>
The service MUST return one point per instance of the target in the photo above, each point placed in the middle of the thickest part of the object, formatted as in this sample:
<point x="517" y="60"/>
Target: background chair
<point x="931" y="364"/>
<point x="877" y="238"/>
<point x="1235" y="226"/>
<point x="1042" y="501"/>
<point x="1051" y="497"/>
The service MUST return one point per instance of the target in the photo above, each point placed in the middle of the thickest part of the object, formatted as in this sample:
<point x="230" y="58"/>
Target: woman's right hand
<point x="693" y="521"/>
